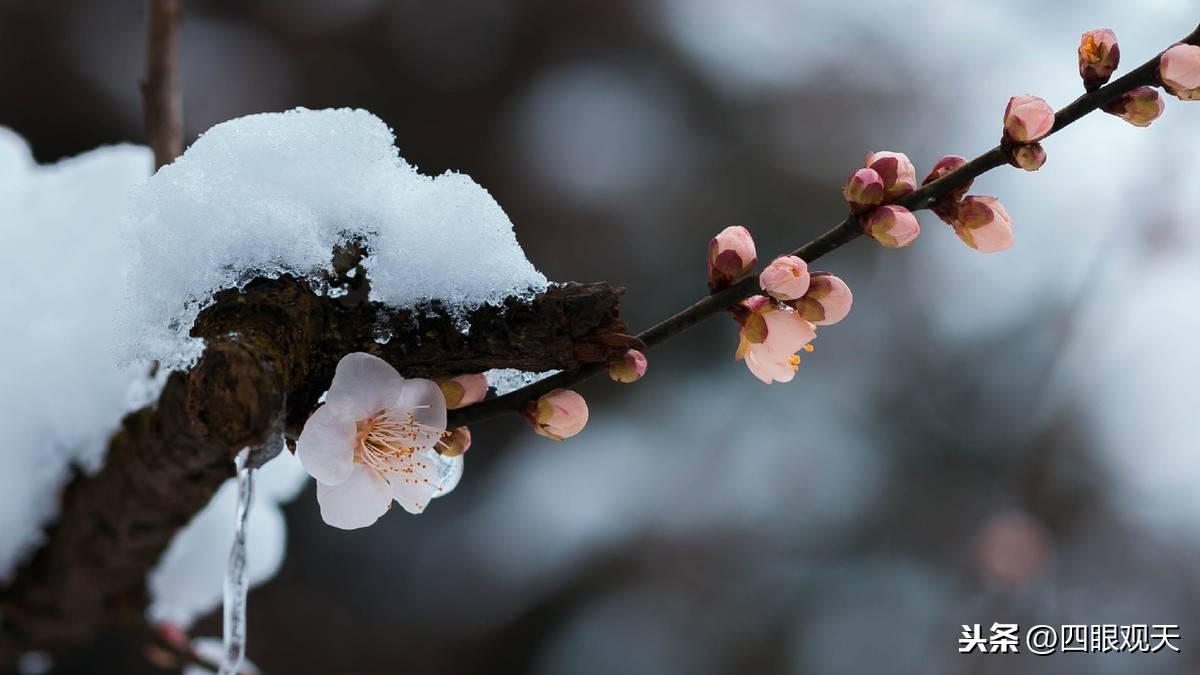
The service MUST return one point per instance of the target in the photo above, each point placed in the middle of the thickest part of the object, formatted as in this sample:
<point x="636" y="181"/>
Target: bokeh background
<point x="986" y="438"/>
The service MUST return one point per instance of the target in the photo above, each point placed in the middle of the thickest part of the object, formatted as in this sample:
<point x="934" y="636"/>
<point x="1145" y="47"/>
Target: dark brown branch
<point x="162" y="93"/>
<point x="275" y="342"/>
<point x="845" y="232"/>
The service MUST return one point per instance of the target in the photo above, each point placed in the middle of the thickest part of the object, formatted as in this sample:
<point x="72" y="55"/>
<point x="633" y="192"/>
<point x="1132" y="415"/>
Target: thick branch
<point x="162" y="93"/>
<point x="274" y="342"/>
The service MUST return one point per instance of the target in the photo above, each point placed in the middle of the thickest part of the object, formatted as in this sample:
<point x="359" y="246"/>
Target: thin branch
<point x="845" y="232"/>
<point x="162" y="93"/>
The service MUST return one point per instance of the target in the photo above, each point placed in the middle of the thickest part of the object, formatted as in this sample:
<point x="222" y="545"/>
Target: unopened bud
<point x="454" y="443"/>
<point x="1179" y="70"/>
<point x="1030" y="156"/>
<point x="864" y="190"/>
<point x="893" y="226"/>
<point x="1027" y="119"/>
<point x="463" y="390"/>
<point x="946" y="205"/>
<point x="630" y="368"/>
<point x="1139" y="107"/>
<point x="786" y="278"/>
<point x="983" y="224"/>
<point x="1098" y="57"/>
<point x="730" y="255"/>
<point x="827" y="302"/>
<point x="559" y="415"/>
<point x="897" y="172"/>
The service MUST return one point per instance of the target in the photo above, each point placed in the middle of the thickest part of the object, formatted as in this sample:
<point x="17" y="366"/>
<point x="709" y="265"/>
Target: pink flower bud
<point x="983" y="224"/>
<point x="1098" y="57"/>
<point x="463" y="390"/>
<point x="1179" y="70"/>
<point x="864" y="190"/>
<point x="1027" y="119"/>
<point x="945" y="166"/>
<point x="1139" y="107"/>
<point x="827" y="302"/>
<point x="786" y="278"/>
<point x="898" y="174"/>
<point x="893" y="226"/>
<point x="1030" y="156"/>
<point x="771" y="335"/>
<point x="630" y="368"/>
<point x="559" y="415"/>
<point x="730" y="255"/>
<point x="456" y="442"/>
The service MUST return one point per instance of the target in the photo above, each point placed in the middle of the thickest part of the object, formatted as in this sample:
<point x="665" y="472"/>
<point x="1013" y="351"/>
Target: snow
<point x="505" y="380"/>
<point x="61" y="275"/>
<point x="270" y="194"/>
<point x="62" y="264"/>
<point x="189" y="579"/>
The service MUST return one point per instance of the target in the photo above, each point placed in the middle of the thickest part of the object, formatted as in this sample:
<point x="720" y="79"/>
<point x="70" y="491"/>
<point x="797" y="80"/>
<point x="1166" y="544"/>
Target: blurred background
<point x="986" y="438"/>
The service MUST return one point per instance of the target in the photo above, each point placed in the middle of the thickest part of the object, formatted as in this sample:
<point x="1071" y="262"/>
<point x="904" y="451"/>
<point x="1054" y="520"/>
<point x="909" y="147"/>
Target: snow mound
<point x="61" y="276"/>
<point x="273" y="193"/>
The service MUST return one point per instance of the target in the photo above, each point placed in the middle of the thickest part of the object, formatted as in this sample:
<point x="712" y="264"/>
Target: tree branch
<point x="273" y="343"/>
<point x="846" y="231"/>
<point x="162" y="93"/>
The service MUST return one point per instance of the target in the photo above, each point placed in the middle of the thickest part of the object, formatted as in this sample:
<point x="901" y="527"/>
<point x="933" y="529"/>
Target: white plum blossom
<point x="373" y="441"/>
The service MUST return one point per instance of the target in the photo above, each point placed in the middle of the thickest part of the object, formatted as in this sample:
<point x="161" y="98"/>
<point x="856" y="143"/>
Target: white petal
<point x="356" y="502"/>
<point x="326" y="444"/>
<point x="415" y="480"/>
<point x="365" y="384"/>
<point x="424" y="399"/>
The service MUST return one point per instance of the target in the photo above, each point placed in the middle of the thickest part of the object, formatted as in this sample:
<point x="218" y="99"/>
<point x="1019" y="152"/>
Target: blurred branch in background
<point x="162" y="89"/>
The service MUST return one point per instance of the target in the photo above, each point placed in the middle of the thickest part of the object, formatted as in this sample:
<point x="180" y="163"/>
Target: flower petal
<point x="365" y="384"/>
<point x="326" y="444"/>
<point x="355" y="502"/>
<point x="424" y="399"/>
<point x="414" y="480"/>
<point x="767" y="367"/>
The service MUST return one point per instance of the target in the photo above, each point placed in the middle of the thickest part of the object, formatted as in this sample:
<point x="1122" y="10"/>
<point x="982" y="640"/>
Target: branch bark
<point x="275" y="343"/>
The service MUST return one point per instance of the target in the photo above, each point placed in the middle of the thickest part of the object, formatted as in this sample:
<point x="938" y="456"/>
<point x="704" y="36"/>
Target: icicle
<point x="236" y="581"/>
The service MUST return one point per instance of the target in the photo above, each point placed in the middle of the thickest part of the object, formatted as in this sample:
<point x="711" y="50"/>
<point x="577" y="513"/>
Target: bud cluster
<point x="884" y="178"/>
<point x="1027" y="120"/>
<point x="783" y="321"/>
<point x="980" y="221"/>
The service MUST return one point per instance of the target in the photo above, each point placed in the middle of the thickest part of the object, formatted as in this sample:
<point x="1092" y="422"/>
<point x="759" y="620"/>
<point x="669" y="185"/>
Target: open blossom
<point x="1027" y="119"/>
<point x="983" y="224"/>
<point x="786" y="278"/>
<point x="1099" y="56"/>
<point x="770" y="337"/>
<point x="559" y="414"/>
<point x="897" y="172"/>
<point x="373" y="442"/>
<point x="730" y="255"/>
<point x="827" y="302"/>
<point x="893" y="226"/>
<point x="1179" y="70"/>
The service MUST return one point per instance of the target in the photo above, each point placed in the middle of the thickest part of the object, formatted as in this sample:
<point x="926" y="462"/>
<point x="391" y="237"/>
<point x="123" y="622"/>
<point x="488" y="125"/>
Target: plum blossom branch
<point x="843" y="233"/>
